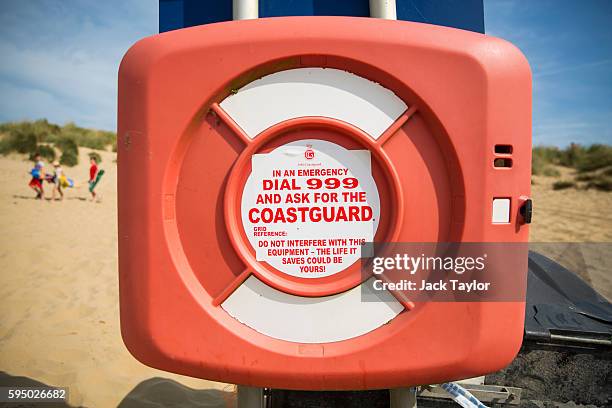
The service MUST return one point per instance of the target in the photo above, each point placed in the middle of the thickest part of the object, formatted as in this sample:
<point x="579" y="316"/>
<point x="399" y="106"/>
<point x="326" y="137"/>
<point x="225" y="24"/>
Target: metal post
<point x="383" y="9"/>
<point x="250" y="397"/>
<point x="245" y="9"/>
<point x="403" y="397"/>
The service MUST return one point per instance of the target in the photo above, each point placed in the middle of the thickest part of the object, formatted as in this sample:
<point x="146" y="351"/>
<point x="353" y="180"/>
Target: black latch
<point x="526" y="211"/>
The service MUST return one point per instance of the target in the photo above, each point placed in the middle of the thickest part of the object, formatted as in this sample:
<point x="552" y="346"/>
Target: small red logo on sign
<point x="309" y="153"/>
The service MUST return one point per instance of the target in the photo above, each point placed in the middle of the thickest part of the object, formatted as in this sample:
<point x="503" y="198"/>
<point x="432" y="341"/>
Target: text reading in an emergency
<point x="309" y="205"/>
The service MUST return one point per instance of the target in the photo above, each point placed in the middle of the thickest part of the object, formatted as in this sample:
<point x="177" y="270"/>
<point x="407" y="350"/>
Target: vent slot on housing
<point x="503" y="149"/>
<point x="502" y="162"/>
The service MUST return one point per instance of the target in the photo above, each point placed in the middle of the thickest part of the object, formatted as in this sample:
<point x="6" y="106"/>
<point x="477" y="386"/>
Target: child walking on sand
<point x="95" y="174"/>
<point x="37" y="173"/>
<point x="58" y="174"/>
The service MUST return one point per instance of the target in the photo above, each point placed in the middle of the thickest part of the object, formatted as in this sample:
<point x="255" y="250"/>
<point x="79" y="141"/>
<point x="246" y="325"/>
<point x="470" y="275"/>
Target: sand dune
<point x="59" y="295"/>
<point x="569" y="215"/>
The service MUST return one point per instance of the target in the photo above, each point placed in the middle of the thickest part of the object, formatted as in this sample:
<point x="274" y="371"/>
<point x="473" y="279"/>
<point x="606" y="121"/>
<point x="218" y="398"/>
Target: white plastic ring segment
<point x="327" y="92"/>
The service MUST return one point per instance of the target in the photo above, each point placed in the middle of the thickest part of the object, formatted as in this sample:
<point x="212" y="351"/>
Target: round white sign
<point x="309" y="205"/>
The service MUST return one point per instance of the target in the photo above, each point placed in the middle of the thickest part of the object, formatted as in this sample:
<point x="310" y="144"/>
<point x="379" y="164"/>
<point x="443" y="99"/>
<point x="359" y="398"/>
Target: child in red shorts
<point x="36" y="183"/>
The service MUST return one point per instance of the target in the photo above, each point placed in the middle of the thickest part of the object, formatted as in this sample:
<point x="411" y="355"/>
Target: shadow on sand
<point x="24" y="197"/>
<point x="7" y="380"/>
<point x="154" y="392"/>
<point x="162" y="392"/>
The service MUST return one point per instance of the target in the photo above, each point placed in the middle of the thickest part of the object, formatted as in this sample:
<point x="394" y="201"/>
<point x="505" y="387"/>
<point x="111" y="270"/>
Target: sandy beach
<point x="59" y="296"/>
<point x="59" y="291"/>
<point x="574" y="227"/>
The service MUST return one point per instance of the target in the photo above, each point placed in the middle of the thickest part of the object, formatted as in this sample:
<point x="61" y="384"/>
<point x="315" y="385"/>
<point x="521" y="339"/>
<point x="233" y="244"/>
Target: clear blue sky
<point x="60" y="59"/>
<point x="569" y="46"/>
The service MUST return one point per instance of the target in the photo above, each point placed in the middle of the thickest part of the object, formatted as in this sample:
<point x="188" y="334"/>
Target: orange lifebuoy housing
<point x="232" y="270"/>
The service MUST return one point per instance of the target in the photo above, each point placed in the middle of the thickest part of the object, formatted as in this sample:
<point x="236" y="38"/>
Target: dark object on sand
<point x="563" y="311"/>
<point x="567" y="348"/>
